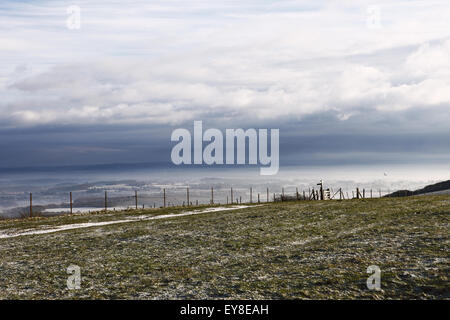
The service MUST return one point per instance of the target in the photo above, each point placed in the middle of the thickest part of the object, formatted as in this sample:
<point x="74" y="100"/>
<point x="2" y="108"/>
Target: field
<point x="288" y="250"/>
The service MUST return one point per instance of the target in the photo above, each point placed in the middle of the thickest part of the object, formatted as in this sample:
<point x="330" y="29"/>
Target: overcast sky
<point x="346" y="82"/>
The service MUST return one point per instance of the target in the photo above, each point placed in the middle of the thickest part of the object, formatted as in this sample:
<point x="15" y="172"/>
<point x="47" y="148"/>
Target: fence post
<point x="71" y="205"/>
<point x="231" y="195"/>
<point x="267" y="194"/>
<point x="136" y="198"/>
<point x="296" y="192"/>
<point x="212" y="195"/>
<point x="106" y="202"/>
<point x="258" y="198"/>
<point x="31" y="205"/>
<point x="164" y="197"/>
<point x="187" y="195"/>
<point x="321" y="196"/>
<point x="251" y="195"/>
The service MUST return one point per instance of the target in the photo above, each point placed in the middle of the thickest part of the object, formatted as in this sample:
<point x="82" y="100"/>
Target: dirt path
<point x="105" y="223"/>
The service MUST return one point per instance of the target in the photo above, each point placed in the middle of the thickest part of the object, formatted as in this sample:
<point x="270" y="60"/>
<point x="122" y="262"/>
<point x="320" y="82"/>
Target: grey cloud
<point x="122" y="83"/>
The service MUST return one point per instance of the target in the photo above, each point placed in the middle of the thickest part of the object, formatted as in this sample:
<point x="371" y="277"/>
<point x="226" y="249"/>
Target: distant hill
<point x="438" y="188"/>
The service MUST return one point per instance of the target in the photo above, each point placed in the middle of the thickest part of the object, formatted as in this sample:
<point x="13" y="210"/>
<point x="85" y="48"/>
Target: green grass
<point x="289" y="250"/>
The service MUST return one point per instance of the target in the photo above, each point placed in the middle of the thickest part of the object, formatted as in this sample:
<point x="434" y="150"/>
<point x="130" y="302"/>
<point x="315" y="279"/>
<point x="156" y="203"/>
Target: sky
<point x="346" y="82"/>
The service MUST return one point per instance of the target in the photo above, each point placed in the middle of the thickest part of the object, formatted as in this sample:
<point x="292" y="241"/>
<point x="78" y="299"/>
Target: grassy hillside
<point x="437" y="188"/>
<point x="289" y="250"/>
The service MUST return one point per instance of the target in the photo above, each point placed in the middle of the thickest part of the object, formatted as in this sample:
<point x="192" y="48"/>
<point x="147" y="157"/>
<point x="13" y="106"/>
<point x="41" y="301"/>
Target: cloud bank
<point x="319" y="67"/>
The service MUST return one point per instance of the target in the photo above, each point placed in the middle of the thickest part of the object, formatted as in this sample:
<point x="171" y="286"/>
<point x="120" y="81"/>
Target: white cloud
<point x="159" y="63"/>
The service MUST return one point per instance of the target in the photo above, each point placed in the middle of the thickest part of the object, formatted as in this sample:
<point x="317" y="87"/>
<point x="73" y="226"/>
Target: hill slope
<point x="289" y="250"/>
<point x="438" y="188"/>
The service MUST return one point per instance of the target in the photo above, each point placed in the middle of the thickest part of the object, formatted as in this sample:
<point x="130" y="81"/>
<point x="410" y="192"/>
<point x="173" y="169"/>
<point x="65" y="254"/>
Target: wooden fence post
<point x="106" y="202"/>
<point x="31" y="205"/>
<point x="251" y="195"/>
<point x="71" y="204"/>
<point x="258" y="198"/>
<point x="212" y="195"/>
<point x="187" y="196"/>
<point x="136" y="199"/>
<point x="164" y="196"/>
<point x="321" y="195"/>
<point x="267" y="194"/>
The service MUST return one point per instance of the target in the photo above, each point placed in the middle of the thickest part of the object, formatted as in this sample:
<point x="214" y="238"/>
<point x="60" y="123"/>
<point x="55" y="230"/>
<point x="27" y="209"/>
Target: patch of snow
<point x="131" y="219"/>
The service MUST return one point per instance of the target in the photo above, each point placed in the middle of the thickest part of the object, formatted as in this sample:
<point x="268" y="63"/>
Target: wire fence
<point x="188" y="197"/>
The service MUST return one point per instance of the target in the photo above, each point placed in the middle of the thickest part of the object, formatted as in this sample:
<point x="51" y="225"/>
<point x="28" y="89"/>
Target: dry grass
<point x="288" y="250"/>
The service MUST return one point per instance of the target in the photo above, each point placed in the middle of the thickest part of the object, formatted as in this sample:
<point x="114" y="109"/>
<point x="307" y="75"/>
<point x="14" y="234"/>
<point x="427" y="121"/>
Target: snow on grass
<point x="105" y="223"/>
